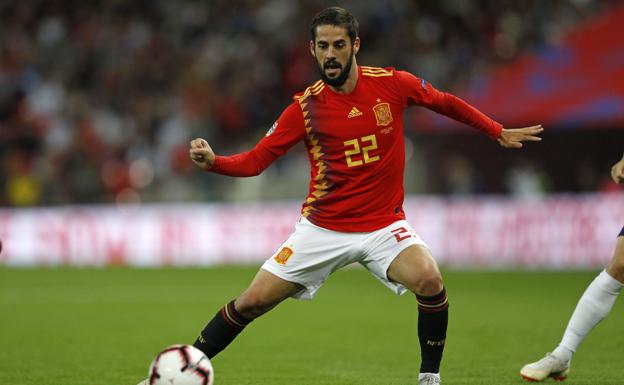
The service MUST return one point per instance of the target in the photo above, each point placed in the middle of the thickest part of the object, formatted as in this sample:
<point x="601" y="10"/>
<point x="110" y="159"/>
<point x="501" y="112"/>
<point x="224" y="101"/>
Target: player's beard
<point x="339" y="80"/>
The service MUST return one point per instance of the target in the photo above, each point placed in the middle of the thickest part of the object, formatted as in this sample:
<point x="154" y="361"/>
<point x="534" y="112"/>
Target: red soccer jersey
<point x="355" y="146"/>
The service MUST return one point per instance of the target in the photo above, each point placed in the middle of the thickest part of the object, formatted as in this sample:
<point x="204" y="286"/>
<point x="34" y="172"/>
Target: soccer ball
<point x="181" y="365"/>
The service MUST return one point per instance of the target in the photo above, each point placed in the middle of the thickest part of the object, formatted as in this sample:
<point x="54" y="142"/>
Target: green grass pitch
<point x="103" y="327"/>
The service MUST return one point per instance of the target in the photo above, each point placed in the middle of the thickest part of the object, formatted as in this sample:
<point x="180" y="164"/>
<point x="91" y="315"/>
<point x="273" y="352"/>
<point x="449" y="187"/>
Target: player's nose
<point x="331" y="55"/>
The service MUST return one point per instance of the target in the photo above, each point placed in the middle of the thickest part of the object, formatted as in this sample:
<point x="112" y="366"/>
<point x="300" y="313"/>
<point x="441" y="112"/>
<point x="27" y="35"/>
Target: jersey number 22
<point x="369" y="143"/>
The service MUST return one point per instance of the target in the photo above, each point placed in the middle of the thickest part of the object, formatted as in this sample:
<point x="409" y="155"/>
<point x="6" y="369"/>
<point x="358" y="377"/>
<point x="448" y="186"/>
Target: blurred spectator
<point x="460" y="177"/>
<point x="99" y="99"/>
<point x="526" y="180"/>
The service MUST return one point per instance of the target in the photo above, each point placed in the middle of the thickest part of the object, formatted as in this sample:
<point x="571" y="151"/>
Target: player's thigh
<point x="264" y="293"/>
<point x="416" y="269"/>
<point x="616" y="266"/>
<point x="310" y="255"/>
<point x="400" y="259"/>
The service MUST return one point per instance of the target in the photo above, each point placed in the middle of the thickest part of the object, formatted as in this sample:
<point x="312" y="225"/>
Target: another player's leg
<point x="594" y="305"/>
<point x="416" y="269"/>
<point x="264" y="293"/>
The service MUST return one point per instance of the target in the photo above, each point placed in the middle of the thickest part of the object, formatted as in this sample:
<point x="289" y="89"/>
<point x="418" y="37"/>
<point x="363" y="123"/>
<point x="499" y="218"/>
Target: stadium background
<point x="99" y="99"/>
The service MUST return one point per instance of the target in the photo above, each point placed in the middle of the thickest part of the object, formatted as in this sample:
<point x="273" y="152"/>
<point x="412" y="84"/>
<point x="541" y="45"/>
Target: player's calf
<point x="265" y="292"/>
<point x="221" y="330"/>
<point x="253" y="305"/>
<point x="432" y="325"/>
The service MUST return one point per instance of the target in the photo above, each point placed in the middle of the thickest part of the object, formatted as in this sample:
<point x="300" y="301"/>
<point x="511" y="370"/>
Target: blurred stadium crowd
<point x="99" y="99"/>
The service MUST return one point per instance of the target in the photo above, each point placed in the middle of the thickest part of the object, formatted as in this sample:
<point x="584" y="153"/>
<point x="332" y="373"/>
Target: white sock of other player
<point x="593" y="306"/>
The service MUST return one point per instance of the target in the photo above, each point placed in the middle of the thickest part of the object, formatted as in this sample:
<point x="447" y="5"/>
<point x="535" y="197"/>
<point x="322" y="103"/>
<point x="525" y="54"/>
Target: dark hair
<point x="337" y="16"/>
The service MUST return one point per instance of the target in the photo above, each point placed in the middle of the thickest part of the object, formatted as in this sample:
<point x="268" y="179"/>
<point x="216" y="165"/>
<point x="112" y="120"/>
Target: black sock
<point x="432" y="323"/>
<point x="221" y="330"/>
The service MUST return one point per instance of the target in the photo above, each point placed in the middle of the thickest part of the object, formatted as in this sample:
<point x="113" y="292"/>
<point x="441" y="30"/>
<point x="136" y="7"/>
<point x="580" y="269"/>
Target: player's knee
<point x="617" y="273"/>
<point x="616" y="267"/>
<point x="429" y="284"/>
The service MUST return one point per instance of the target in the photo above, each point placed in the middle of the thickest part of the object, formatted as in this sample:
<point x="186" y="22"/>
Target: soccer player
<point x="594" y="305"/>
<point x="351" y="122"/>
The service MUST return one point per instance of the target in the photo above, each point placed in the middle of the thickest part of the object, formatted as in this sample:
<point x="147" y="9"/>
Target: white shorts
<point x="312" y="253"/>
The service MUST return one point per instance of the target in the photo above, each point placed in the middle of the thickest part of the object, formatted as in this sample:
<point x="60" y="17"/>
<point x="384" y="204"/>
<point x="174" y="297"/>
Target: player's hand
<point x="201" y="154"/>
<point x="617" y="172"/>
<point x="513" y="137"/>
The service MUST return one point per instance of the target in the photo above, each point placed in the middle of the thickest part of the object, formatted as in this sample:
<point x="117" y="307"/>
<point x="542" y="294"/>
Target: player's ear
<point x="356" y="45"/>
<point x="312" y="48"/>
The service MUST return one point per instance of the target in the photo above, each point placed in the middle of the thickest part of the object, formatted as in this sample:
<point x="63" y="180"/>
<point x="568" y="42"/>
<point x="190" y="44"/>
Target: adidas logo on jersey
<point x="354" y="112"/>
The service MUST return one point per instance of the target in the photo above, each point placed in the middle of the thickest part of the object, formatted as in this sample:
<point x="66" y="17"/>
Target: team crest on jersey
<point x="383" y="114"/>
<point x="273" y="127"/>
<point x="283" y="255"/>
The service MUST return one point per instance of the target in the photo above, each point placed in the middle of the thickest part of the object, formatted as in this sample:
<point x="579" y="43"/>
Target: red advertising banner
<point x="556" y="232"/>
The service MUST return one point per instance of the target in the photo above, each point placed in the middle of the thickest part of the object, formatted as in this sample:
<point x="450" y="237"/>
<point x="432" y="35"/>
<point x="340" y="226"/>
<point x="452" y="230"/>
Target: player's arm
<point x="418" y="91"/>
<point x="288" y="130"/>
<point x="617" y="171"/>
<point x="249" y="163"/>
